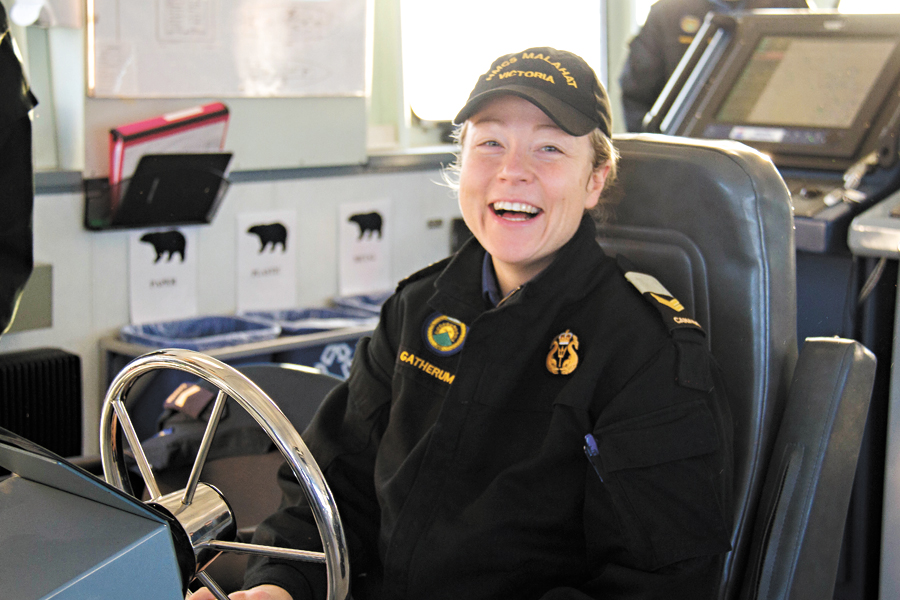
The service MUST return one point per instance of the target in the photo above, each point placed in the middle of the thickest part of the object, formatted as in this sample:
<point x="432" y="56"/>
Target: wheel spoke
<point x="205" y="444"/>
<point x="271" y="551"/>
<point x="137" y="450"/>
<point x="212" y="586"/>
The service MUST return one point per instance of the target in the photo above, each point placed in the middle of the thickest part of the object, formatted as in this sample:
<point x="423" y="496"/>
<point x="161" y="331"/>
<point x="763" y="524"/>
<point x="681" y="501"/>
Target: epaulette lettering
<point x="688" y="334"/>
<point x="673" y="313"/>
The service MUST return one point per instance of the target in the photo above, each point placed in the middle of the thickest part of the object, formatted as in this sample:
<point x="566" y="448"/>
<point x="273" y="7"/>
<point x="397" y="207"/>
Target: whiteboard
<point x="226" y="48"/>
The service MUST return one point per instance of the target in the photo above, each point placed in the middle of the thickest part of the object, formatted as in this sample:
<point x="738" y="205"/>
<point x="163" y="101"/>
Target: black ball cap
<point x="560" y="83"/>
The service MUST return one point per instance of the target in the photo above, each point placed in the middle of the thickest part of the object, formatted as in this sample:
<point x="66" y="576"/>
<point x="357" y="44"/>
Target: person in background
<point x="16" y="176"/>
<point x="523" y="423"/>
<point x="661" y="42"/>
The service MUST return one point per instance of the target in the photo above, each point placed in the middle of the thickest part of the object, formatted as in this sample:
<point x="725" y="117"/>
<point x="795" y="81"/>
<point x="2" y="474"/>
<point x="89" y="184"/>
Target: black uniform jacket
<point x="460" y="472"/>
<point x="16" y="176"/>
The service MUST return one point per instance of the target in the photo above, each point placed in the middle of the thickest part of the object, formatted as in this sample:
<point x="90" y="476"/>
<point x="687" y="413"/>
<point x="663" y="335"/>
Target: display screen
<point x="804" y="82"/>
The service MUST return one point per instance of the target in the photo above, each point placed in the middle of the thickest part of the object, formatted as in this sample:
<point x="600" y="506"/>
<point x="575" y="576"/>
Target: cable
<point x="871" y="281"/>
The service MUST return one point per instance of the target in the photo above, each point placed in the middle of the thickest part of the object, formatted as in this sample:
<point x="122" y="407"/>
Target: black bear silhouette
<point x="368" y="223"/>
<point x="166" y="242"/>
<point x="273" y="233"/>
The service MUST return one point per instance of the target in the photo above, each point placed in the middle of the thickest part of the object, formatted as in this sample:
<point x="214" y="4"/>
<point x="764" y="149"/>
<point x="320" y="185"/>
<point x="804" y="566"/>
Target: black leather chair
<point x="247" y="478"/>
<point x="712" y="221"/>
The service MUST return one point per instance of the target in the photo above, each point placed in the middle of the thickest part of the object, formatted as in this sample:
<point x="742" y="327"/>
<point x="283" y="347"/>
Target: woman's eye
<point x="550" y="148"/>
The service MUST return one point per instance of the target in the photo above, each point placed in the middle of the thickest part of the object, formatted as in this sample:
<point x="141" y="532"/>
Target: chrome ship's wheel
<point x="202" y="522"/>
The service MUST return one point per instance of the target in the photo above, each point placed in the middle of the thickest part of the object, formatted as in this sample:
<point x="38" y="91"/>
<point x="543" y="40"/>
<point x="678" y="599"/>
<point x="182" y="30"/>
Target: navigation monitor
<point x="806" y="82"/>
<point x="801" y="90"/>
<point x="791" y="86"/>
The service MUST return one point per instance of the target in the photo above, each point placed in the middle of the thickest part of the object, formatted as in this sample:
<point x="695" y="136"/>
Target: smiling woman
<point x="462" y="426"/>
<point x="527" y="168"/>
<point x="524" y="186"/>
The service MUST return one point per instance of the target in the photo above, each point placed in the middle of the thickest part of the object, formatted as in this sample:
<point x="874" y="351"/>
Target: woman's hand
<point x="260" y="592"/>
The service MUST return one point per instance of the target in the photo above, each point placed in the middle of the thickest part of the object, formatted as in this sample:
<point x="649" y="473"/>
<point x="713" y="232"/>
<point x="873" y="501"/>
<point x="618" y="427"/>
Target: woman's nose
<point x="515" y="166"/>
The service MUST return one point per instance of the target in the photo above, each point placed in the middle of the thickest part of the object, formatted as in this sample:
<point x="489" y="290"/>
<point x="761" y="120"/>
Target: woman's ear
<point x="595" y="185"/>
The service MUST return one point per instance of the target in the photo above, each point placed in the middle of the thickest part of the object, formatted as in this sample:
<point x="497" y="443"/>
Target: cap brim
<point x="569" y="120"/>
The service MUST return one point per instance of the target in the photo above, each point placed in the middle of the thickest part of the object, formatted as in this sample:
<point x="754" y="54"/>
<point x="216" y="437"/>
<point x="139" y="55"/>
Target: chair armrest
<point x="803" y="509"/>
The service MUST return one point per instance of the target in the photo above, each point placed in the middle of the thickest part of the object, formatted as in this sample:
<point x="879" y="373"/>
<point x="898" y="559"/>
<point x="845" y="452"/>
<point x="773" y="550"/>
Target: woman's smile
<point x="515" y="211"/>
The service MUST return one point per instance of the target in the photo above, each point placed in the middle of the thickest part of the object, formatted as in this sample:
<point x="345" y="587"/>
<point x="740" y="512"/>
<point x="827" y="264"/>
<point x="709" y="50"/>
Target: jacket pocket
<point x="660" y="476"/>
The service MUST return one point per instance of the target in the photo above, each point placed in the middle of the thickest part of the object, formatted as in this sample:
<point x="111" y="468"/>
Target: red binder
<point x="199" y="129"/>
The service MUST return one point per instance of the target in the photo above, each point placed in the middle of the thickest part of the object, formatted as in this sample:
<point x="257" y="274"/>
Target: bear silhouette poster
<point x="166" y="243"/>
<point x="369" y="223"/>
<point x="271" y="234"/>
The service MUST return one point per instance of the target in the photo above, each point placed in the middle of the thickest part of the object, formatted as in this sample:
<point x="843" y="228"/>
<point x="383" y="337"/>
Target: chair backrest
<point x="248" y="481"/>
<point x="712" y="221"/>
<point x="297" y="390"/>
<point x="239" y="442"/>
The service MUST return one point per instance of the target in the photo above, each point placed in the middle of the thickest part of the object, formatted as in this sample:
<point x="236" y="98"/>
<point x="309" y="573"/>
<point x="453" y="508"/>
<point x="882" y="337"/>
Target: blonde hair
<point x="605" y="153"/>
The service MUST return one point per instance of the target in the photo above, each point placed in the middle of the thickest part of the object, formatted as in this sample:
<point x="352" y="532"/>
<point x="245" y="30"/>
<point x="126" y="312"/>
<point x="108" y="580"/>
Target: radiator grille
<point x="40" y="398"/>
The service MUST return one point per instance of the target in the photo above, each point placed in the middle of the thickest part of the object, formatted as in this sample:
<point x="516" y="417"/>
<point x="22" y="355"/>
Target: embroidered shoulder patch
<point x="444" y="335"/>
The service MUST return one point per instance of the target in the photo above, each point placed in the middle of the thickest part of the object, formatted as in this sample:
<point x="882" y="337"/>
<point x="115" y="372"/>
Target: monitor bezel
<point x="843" y="144"/>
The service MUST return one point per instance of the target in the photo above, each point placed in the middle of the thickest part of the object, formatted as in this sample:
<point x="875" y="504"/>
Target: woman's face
<point x="524" y="185"/>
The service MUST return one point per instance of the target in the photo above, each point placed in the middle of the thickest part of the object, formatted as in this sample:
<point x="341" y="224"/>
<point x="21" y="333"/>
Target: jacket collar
<point x="459" y="288"/>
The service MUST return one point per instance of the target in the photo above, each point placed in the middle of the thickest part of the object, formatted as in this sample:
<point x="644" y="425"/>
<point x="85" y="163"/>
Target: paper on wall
<point x="266" y="260"/>
<point x="364" y="235"/>
<point x="162" y="272"/>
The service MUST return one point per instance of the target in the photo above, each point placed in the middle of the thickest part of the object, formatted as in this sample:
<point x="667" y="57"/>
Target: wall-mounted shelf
<point x="166" y="189"/>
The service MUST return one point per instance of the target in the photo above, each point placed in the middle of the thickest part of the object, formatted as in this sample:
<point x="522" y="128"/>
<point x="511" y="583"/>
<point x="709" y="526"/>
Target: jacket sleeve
<point x="693" y="579"/>
<point x="16" y="177"/>
<point x="17" y="204"/>
<point x="657" y="508"/>
<point x="343" y="437"/>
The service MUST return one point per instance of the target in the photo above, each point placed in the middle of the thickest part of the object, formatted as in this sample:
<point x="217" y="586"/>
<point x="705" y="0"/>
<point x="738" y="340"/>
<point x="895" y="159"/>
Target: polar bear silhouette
<point x="273" y="233"/>
<point x="166" y="242"/>
<point x="368" y="223"/>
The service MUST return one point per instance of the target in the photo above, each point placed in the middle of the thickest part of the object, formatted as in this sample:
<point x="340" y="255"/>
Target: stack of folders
<point x="200" y="129"/>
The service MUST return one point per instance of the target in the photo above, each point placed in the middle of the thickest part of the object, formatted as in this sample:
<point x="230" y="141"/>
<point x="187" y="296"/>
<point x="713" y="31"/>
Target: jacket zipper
<point x="508" y="296"/>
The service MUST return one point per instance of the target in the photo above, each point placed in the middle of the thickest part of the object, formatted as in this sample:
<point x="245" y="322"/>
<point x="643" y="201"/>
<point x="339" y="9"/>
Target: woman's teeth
<point x="516" y="211"/>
